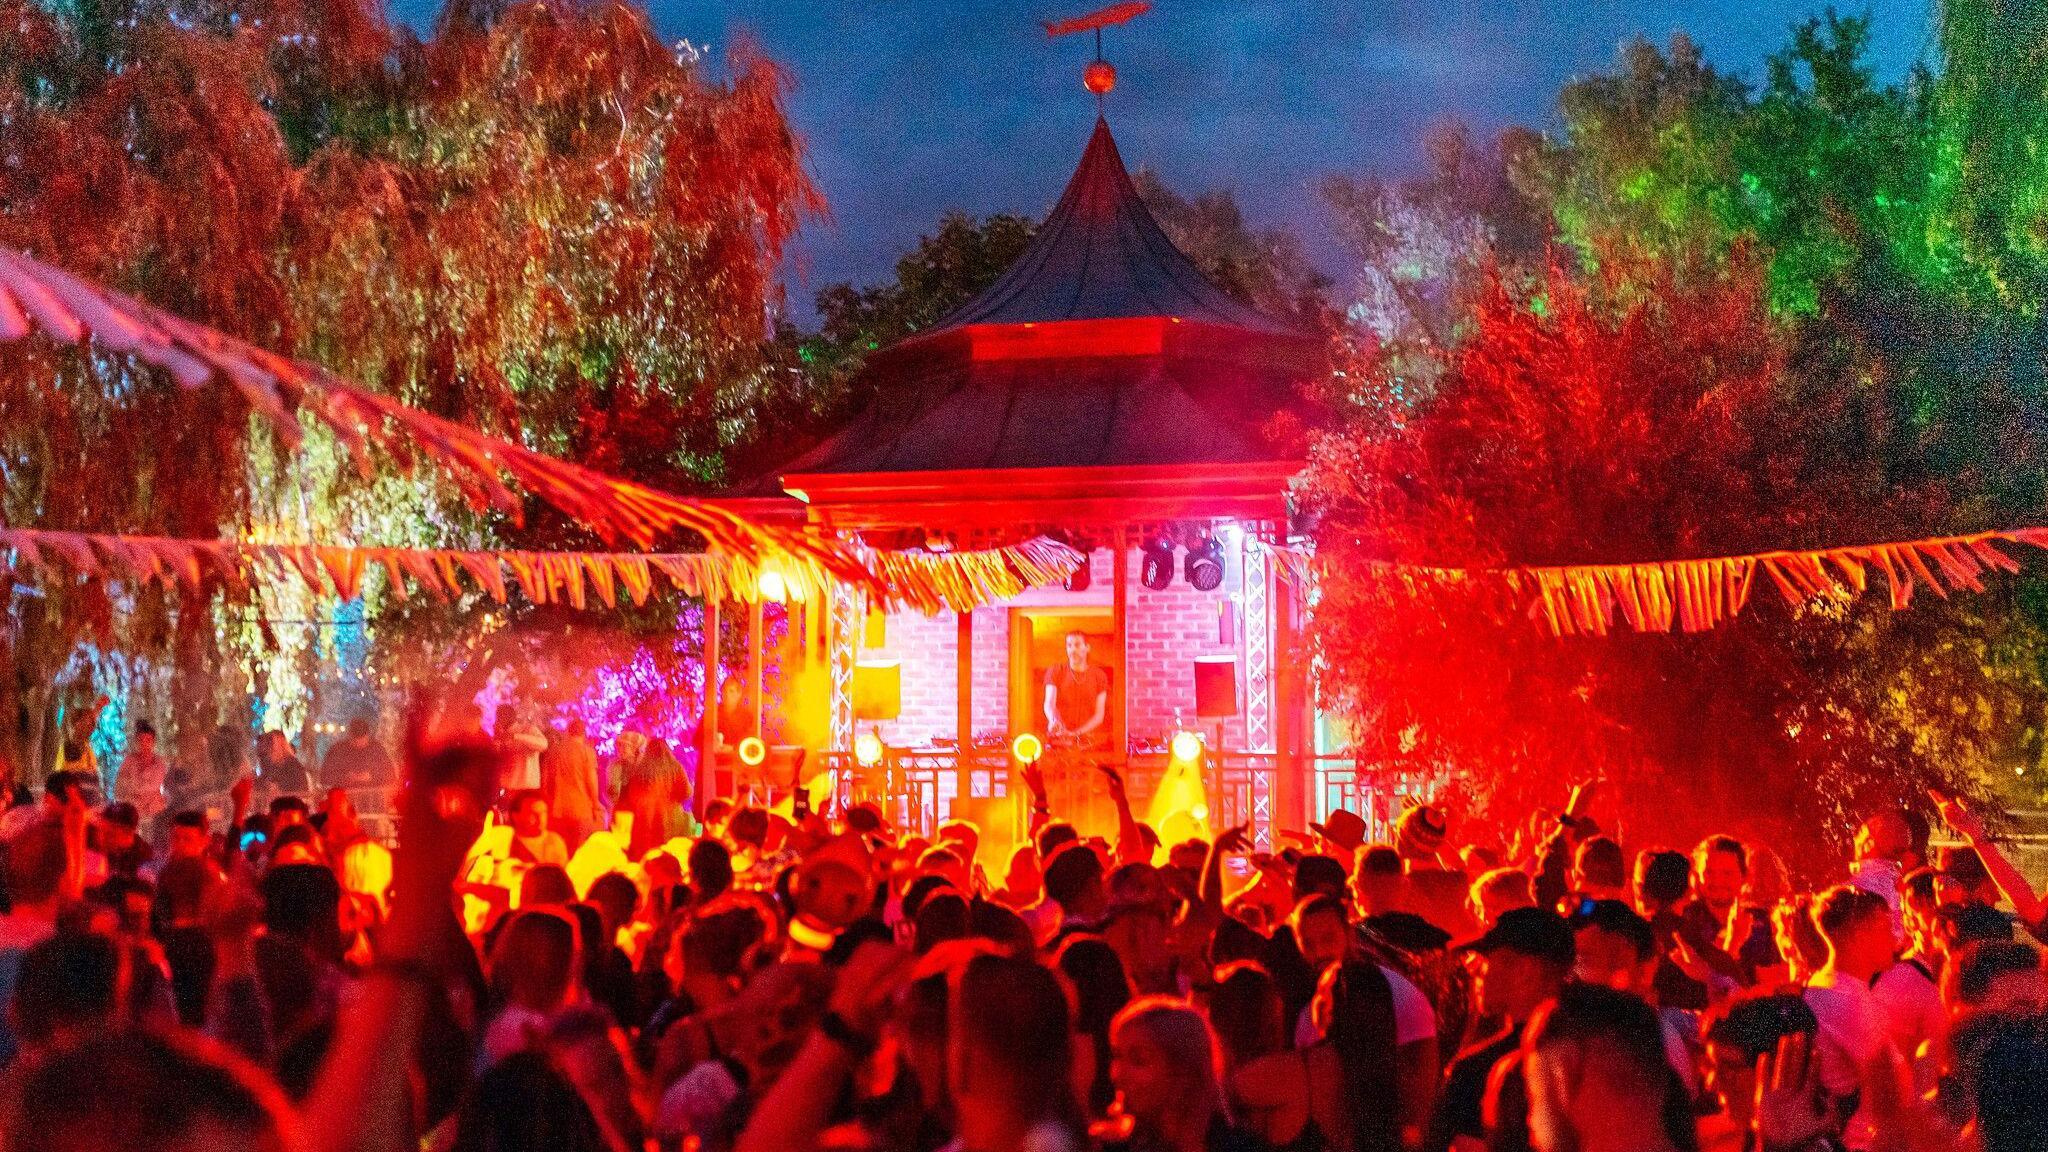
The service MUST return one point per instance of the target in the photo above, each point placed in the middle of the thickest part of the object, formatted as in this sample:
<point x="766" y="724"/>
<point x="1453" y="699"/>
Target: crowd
<point x="775" y="980"/>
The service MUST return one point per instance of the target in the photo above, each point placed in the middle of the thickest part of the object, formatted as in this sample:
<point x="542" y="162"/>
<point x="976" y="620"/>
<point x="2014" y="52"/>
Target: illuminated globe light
<point x="1200" y="812"/>
<point x="1187" y="746"/>
<point x="867" y="749"/>
<point x="773" y="586"/>
<point x="753" y="750"/>
<point x="1027" y="748"/>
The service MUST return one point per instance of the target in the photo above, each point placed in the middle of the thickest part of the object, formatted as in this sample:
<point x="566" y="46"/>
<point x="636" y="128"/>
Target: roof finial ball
<point x="1100" y="75"/>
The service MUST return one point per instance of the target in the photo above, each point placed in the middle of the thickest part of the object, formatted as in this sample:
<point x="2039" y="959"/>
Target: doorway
<point x="1038" y="643"/>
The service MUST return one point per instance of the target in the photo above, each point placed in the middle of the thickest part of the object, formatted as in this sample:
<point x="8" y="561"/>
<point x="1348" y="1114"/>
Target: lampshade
<point x="1215" y="687"/>
<point x="877" y="689"/>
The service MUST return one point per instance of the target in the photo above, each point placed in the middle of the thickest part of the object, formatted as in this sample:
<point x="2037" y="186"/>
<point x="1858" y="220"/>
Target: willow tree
<point x="542" y="220"/>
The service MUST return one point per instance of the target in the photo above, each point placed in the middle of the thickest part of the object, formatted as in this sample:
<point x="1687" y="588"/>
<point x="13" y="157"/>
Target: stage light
<point x="1157" y="571"/>
<point x="753" y="750"/>
<point x="1080" y="578"/>
<point x="1027" y="748"/>
<point x="1205" y="566"/>
<point x="1187" y="746"/>
<point x="867" y="749"/>
<point x="773" y="587"/>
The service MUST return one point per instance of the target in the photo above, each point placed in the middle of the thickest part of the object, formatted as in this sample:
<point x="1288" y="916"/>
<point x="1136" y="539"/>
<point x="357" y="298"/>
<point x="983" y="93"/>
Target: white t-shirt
<point x="1853" y="1031"/>
<point x="1414" y="1016"/>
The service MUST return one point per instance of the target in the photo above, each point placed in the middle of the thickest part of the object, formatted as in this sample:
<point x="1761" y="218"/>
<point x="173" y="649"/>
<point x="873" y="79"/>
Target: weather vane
<point x="1100" y="76"/>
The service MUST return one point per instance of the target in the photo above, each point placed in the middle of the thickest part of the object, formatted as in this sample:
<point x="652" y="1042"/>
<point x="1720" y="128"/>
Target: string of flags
<point x="1699" y="595"/>
<point x="925" y="582"/>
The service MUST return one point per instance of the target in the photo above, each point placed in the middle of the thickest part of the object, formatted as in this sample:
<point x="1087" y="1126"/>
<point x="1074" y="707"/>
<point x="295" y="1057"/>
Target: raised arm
<point x="1041" y="811"/>
<point x="799" y="1107"/>
<point x="2029" y="906"/>
<point x="1130" y="843"/>
<point x="361" y="1100"/>
<point x="1210" y="893"/>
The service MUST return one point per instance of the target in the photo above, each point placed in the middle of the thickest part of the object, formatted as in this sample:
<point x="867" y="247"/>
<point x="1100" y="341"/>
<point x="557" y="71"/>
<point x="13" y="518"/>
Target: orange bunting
<point x="927" y="582"/>
<point x="35" y="296"/>
<point x="1699" y="595"/>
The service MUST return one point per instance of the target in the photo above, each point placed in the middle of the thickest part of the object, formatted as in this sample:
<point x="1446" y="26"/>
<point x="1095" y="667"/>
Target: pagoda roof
<point x="1103" y="347"/>
<point x="1101" y="255"/>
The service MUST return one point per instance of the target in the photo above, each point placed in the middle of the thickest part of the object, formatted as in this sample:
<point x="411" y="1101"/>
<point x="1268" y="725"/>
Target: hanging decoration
<point x="925" y="582"/>
<point x="964" y="581"/>
<point x="1699" y="595"/>
<point x="37" y="296"/>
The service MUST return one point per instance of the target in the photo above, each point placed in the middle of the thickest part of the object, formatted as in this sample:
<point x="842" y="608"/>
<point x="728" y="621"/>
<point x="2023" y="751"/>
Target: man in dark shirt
<point x="1734" y="939"/>
<point x="1077" y="699"/>
<point x="358" y="761"/>
<point x="1523" y="961"/>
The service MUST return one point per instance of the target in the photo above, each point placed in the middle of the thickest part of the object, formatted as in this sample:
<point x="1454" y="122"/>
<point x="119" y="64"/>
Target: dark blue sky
<point x="912" y="107"/>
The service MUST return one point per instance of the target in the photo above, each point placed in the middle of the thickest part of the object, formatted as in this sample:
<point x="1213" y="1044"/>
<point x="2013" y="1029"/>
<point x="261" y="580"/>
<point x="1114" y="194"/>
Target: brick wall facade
<point x="1165" y="631"/>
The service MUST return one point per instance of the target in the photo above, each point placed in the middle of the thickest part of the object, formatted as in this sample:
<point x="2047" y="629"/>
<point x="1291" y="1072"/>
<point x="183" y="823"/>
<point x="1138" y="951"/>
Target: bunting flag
<point x="964" y="581"/>
<point x="925" y="582"/>
<point x="1699" y="595"/>
<point x="37" y="296"/>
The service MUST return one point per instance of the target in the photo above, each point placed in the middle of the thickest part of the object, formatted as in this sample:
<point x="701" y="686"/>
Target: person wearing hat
<point x="1435" y="893"/>
<point x="1341" y="836"/>
<point x="1522" y="962"/>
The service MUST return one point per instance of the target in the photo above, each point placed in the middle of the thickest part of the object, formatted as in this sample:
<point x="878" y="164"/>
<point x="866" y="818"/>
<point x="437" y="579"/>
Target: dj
<point x="1077" y="700"/>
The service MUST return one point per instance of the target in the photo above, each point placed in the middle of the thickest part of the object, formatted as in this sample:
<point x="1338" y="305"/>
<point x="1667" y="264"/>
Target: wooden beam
<point x="963" y="678"/>
<point x="963" y="703"/>
<point x="757" y="637"/>
<point x="1119" y="715"/>
<point x="1292" y="786"/>
<point x="707" y="731"/>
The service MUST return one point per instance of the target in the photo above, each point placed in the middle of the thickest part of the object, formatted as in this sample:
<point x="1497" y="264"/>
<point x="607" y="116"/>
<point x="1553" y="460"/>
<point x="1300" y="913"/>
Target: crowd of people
<point x="763" y="980"/>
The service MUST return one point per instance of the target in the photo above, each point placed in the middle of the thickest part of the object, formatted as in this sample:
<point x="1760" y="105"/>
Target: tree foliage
<point x="1775" y="316"/>
<point x="541" y="219"/>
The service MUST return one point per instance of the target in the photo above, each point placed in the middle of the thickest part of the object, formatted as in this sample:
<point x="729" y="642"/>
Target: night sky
<point x="913" y="107"/>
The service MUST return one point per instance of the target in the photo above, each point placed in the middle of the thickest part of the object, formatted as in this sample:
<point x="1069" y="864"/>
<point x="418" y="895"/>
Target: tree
<point x="1424" y="248"/>
<point x="1264" y="267"/>
<point x="945" y="270"/>
<point x="542" y="220"/>
<point x="1569" y="429"/>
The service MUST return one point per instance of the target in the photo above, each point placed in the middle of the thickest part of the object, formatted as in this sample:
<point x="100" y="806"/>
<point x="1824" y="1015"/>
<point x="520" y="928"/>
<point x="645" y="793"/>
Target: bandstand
<point x="1104" y="394"/>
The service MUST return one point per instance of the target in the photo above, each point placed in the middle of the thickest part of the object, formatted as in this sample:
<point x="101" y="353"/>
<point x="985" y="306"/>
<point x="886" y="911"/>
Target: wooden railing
<point x="918" y="788"/>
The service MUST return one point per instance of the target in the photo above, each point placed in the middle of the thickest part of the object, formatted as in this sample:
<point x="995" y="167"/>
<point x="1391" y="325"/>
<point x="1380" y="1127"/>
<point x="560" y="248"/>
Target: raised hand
<point x="1791" y="1107"/>
<point x="1957" y="816"/>
<point x="1034" y="779"/>
<point x="1112" y="778"/>
<point x="1235" y="839"/>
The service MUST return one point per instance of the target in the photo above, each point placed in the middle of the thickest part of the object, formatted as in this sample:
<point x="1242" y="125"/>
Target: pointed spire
<point x="1100" y="254"/>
